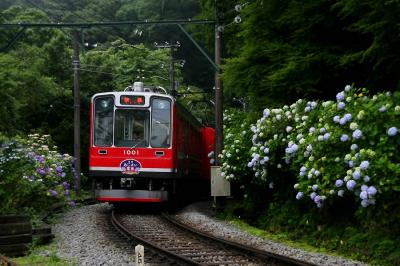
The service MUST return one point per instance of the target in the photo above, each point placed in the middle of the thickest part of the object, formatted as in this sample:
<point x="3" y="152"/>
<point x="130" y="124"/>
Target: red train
<point x="145" y="147"/>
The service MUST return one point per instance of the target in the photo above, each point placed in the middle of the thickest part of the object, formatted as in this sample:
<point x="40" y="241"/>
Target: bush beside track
<point x="322" y="172"/>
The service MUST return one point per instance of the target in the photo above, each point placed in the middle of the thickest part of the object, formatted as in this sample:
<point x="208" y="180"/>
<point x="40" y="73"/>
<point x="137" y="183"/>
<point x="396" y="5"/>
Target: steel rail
<point x="128" y="234"/>
<point x="243" y="248"/>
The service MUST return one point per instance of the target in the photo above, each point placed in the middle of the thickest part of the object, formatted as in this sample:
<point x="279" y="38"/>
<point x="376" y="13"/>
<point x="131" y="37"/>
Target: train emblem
<point x="130" y="167"/>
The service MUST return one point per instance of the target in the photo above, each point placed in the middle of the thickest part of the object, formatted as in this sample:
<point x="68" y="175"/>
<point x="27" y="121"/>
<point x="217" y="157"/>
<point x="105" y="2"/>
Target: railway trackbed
<point x="187" y="246"/>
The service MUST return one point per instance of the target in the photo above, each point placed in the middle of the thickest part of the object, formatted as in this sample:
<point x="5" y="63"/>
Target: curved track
<point x="187" y="246"/>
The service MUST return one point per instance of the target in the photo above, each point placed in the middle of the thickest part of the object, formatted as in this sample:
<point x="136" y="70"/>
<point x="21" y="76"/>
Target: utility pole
<point x="77" y="118"/>
<point x="172" y="48"/>
<point x="172" y="71"/>
<point x="218" y="96"/>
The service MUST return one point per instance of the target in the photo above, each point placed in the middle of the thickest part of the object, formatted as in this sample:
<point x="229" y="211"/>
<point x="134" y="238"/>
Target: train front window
<point x="103" y="121"/>
<point x="131" y="128"/>
<point x="160" y="123"/>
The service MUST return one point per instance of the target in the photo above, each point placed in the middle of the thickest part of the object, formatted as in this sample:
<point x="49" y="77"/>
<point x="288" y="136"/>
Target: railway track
<point x="186" y="246"/>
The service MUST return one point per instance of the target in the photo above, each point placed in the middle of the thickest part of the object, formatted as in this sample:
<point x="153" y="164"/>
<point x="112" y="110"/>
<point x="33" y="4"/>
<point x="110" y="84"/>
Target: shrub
<point x="334" y="149"/>
<point x="33" y="175"/>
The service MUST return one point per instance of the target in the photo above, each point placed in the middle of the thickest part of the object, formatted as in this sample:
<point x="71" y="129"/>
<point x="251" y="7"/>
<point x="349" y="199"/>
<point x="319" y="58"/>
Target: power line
<point x="105" y="24"/>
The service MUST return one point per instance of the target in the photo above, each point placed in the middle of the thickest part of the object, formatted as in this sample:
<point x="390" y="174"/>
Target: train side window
<point x="160" y="123"/>
<point x="103" y="121"/>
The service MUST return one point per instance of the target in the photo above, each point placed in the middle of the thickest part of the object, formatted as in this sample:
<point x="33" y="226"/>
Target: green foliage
<point x="285" y="50"/>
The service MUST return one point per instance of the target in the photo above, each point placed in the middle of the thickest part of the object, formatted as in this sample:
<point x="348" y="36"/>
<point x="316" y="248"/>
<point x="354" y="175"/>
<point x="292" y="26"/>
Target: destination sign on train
<point x="132" y="100"/>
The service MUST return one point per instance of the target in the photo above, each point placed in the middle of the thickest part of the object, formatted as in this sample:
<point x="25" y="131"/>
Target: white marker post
<point x="139" y="255"/>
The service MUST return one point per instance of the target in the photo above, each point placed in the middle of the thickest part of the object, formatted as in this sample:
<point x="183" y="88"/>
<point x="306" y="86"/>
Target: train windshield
<point x="160" y="123"/>
<point x="103" y="121"/>
<point x="131" y="128"/>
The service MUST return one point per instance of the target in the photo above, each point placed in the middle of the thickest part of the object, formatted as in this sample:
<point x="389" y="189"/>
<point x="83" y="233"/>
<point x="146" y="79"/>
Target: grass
<point x="43" y="256"/>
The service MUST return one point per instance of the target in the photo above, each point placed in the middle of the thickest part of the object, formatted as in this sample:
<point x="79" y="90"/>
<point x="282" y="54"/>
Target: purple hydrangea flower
<point x="351" y="184"/>
<point x="299" y="195"/>
<point x="392" y="131"/>
<point x="317" y="199"/>
<point x="344" y="138"/>
<point x="364" y="203"/>
<point x="364" y="165"/>
<point x="53" y="193"/>
<point x="72" y="203"/>
<point x="59" y="169"/>
<point x="66" y="192"/>
<point x="41" y="171"/>
<point x="339" y="183"/>
<point x="340" y="96"/>
<point x="313" y="195"/>
<point x="357" y="134"/>
<point x="65" y="185"/>
<point x="371" y="191"/>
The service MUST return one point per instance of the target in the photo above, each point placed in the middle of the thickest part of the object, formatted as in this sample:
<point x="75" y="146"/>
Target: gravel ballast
<point x="81" y="236"/>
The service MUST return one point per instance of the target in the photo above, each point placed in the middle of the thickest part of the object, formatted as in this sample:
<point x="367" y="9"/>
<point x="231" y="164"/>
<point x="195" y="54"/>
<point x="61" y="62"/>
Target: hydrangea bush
<point x="346" y="147"/>
<point x="33" y="175"/>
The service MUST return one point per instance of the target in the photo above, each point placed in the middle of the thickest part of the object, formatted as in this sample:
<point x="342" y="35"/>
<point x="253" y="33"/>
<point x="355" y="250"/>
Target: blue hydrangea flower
<point x="317" y="173"/>
<point x="314" y="187"/>
<point x="340" y="193"/>
<point x="392" y="131"/>
<point x="364" y="188"/>
<point x="351" y="164"/>
<point x="266" y="150"/>
<point x="348" y="117"/>
<point x="340" y="96"/>
<point x="341" y="105"/>
<point x="382" y="109"/>
<point x="339" y="183"/>
<point x="307" y="109"/>
<point x="342" y="121"/>
<point x="336" y="119"/>
<point x="327" y="136"/>
<point x="357" y="134"/>
<point x="299" y="195"/>
<point x="344" y="138"/>
<point x="351" y="184"/>
<point x="356" y="175"/>
<point x="303" y="169"/>
<point x="354" y="147"/>
<point x="364" y="165"/>
<point x="266" y="112"/>
<point x="366" y="178"/>
<point x="302" y="173"/>
<point x="311" y="130"/>
<point x="322" y="130"/>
